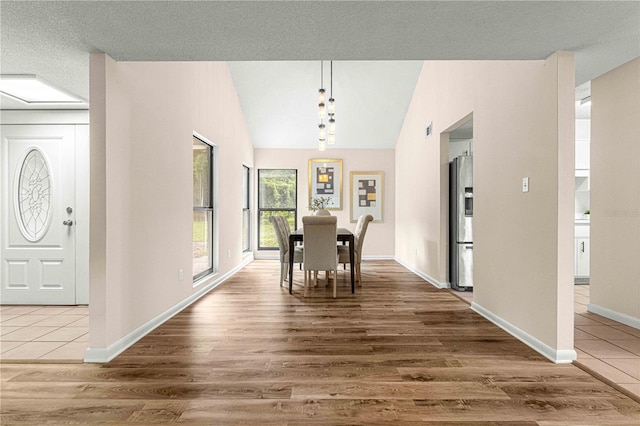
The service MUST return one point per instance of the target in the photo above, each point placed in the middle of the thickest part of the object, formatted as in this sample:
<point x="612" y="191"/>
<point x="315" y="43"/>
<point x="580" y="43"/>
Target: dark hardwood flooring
<point x="399" y="351"/>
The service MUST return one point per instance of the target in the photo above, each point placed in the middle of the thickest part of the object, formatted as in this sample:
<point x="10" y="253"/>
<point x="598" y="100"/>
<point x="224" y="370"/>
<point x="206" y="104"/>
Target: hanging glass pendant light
<point x="331" y="130"/>
<point x="323" y="111"/>
<point x="322" y="137"/>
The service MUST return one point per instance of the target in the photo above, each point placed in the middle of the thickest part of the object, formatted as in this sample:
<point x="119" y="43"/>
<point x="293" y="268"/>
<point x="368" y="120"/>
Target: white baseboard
<point x="378" y="257"/>
<point x="424" y="276"/>
<point x="559" y="356"/>
<point x="614" y="315"/>
<point x="101" y="355"/>
<point x="267" y="255"/>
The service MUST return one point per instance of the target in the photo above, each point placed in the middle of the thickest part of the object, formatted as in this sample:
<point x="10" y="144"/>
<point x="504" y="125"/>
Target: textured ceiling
<point x="52" y="39"/>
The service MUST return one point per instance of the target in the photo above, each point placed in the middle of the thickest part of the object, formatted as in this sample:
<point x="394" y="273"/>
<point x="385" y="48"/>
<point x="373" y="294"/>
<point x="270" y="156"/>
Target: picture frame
<point x="367" y="195"/>
<point x="325" y="180"/>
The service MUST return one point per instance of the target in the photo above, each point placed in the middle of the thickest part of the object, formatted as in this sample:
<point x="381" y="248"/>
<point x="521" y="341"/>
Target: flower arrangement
<point x="319" y="203"/>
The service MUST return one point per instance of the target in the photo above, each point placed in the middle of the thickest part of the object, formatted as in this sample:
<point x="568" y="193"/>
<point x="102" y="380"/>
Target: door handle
<point x="68" y="222"/>
<point x="582" y="249"/>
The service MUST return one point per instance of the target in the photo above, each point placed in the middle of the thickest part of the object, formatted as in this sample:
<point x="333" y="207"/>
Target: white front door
<point x="38" y="223"/>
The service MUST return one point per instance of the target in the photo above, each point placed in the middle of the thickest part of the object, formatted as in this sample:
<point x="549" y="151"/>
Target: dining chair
<point x="282" y="230"/>
<point x="358" y="236"/>
<point x="320" y="251"/>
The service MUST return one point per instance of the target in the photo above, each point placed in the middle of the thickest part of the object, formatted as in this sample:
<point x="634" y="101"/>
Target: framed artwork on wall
<point x="325" y="180"/>
<point x="367" y="195"/>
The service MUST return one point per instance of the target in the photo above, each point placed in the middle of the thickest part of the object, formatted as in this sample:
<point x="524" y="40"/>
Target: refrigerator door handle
<point x="471" y="247"/>
<point x="582" y="249"/>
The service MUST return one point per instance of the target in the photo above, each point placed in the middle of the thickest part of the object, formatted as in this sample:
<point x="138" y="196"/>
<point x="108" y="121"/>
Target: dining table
<point x="343" y="235"/>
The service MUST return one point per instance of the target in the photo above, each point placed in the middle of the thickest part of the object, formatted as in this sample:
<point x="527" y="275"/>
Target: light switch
<point x="525" y="184"/>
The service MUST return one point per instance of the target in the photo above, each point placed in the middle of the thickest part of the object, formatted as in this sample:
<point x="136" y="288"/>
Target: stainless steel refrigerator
<point x="460" y="223"/>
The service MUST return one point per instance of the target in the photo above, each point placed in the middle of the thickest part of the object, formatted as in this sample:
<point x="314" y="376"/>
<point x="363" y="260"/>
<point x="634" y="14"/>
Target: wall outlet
<point x="525" y="184"/>
<point x="229" y="253"/>
<point x="180" y="274"/>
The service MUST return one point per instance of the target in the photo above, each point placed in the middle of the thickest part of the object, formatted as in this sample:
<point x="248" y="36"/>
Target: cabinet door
<point x="582" y="257"/>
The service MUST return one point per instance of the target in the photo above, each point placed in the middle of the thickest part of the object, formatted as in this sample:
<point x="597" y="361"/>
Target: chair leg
<point x="358" y="275"/>
<point x="282" y="272"/>
<point x="306" y="281"/>
<point x="335" y="283"/>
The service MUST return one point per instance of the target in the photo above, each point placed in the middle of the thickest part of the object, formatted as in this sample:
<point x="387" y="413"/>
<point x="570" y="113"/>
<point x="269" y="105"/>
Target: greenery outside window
<point x="277" y="195"/>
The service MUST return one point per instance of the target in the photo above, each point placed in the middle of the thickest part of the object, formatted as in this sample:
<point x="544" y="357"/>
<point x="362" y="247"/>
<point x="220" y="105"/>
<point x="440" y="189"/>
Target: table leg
<point x="352" y="260"/>
<point x="291" y="248"/>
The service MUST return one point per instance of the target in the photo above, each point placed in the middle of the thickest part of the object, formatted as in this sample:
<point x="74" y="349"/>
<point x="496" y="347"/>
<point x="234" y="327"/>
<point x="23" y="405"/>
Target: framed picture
<point x="367" y="195"/>
<point x="325" y="180"/>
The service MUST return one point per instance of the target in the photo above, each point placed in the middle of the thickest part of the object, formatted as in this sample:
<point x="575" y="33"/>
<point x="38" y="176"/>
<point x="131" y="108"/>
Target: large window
<point x="277" y="191"/>
<point x="246" y="209"/>
<point x="203" y="208"/>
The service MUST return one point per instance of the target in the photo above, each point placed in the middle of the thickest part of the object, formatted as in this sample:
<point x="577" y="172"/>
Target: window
<point x="203" y="208"/>
<point x="277" y="191"/>
<point x="246" y="210"/>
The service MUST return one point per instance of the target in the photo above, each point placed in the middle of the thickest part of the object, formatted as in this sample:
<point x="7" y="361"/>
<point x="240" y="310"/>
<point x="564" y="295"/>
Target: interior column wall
<point x="615" y="197"/>
<point x="143" y="116"/>
<point x="523" y="115"/>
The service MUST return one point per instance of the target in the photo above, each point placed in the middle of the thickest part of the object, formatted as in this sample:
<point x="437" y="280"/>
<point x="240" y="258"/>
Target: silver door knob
<point x="68" y="222"/>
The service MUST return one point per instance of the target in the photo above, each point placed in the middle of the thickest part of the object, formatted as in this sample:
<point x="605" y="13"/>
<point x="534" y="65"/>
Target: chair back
<point x="320" y="250"/>
<point x="281" y="227"/>
<point x="361" y="230"/>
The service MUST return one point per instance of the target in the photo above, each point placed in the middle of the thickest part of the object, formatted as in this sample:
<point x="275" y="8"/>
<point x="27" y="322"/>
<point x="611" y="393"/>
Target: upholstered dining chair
<point x="320" y="251"/>
<point x="281" y="227"/>
<point x="343" y="251"/>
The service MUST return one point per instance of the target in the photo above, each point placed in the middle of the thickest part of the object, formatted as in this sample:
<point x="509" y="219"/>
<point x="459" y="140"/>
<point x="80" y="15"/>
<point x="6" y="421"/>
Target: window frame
<point x="212" y="207"/>
<point x="247" y="207"/>
<point x="261" y="210"/>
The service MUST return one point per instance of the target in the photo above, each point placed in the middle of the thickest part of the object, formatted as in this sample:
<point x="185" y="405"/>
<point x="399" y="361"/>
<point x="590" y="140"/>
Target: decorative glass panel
<point x="33" y="196"/>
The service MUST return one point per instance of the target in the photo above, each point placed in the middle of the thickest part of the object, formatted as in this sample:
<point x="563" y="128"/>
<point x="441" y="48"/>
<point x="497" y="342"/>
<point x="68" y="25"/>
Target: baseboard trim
<point x="267" y="255"/>
<point x="558" y="356"/>
<point x="424" y="276"/>
<point x="614" y="315"/>
<point x="378" y="257"/>
<point x="102" y="355"/>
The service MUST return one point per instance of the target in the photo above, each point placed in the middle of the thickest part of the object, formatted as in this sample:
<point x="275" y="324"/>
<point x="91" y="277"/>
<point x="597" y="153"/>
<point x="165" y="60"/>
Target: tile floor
<point x="46" y="333"/>
<point x="607" y="349"/>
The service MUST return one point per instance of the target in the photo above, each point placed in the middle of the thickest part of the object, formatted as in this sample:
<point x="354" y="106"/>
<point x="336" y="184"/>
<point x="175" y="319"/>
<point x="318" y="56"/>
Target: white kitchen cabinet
<point x="581" y="250"/>
<point x="583" y="155"/>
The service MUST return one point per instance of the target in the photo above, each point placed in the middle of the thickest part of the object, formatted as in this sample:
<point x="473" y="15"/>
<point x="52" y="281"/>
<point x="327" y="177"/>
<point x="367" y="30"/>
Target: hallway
<point x="398" y="351"/>
<point x="606" y="349"/>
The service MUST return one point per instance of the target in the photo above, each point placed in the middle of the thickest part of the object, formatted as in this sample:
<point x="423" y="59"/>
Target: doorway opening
<point x="461" y="206"/>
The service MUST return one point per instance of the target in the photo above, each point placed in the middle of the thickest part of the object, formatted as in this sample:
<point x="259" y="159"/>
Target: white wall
<point x="523" y="121"/>
<point x="615" y="194"/>
<point x="143" y="115"/>
<point x="379" y="241"/>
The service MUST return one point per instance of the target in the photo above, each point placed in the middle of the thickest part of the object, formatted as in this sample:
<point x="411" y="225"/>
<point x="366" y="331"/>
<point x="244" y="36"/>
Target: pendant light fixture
<point x="323" y="111"/>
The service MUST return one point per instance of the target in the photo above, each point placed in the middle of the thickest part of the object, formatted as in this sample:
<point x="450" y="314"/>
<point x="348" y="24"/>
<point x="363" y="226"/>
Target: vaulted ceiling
<point x="276" y="47"/>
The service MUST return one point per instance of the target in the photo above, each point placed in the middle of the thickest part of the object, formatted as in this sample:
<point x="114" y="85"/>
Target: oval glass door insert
<point x="34" y="196"/>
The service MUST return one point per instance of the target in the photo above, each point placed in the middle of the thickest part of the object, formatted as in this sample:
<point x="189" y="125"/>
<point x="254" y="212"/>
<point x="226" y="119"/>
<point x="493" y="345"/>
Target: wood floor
<point x="399" y="352"/>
